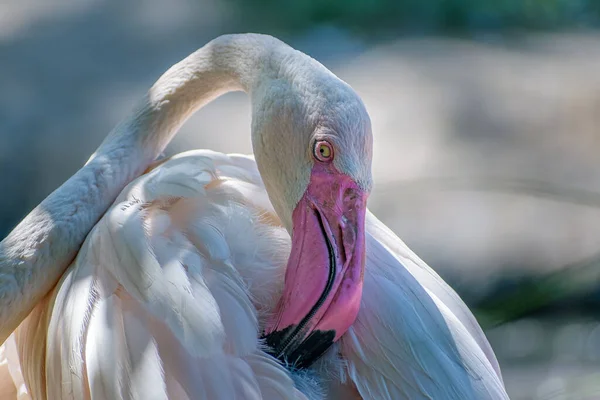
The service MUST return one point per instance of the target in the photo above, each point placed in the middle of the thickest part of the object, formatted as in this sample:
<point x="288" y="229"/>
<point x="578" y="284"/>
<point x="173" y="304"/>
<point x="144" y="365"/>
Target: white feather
<point x="156" y="304"/>
<point x="411" y="345"/>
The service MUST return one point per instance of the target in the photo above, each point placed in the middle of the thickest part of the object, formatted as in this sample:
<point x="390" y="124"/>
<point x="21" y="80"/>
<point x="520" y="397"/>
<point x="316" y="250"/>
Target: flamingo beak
<point x="324" y="276"/>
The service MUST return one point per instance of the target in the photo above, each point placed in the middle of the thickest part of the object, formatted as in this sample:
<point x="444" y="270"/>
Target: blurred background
<point x="486" y="115"/>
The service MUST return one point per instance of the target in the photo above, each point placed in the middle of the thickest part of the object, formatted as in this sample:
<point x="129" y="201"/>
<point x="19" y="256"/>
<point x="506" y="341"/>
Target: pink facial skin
<point x="324" y="277"/>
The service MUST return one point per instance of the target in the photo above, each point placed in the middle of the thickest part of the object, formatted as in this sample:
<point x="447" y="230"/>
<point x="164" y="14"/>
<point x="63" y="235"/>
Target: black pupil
<point x="322" y="149"/>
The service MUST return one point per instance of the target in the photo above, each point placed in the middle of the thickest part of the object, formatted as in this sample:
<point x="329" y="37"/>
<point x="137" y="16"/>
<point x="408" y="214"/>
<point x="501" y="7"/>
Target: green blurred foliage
<point x="376" y="17"/>
<point x="575" y="287"/>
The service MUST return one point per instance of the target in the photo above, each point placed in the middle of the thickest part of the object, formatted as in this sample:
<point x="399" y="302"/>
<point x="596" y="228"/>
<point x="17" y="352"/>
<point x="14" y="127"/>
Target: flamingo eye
<point x="323" y="151"/>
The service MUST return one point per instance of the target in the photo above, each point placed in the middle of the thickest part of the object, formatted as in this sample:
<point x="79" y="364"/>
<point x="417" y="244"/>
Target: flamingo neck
<point x="38" y="250"/>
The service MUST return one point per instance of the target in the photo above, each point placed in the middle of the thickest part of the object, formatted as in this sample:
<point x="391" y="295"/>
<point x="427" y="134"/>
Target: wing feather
<point x="159" y="302"/>
<point x="407" y="344"/>
<point x="433" y="282"/>
<point x="12" y="382"/>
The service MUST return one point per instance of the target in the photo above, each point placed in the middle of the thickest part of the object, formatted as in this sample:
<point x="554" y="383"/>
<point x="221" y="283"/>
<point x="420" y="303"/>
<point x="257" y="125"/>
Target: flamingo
<point x="216" y="276"/>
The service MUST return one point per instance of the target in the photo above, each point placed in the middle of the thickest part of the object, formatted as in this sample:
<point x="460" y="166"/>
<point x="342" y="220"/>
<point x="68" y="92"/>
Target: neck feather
<point x="37" y="252"/>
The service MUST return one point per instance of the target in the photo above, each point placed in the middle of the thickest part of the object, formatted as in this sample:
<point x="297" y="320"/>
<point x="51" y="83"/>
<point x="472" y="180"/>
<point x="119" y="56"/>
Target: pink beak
<point x="324" y="276"/>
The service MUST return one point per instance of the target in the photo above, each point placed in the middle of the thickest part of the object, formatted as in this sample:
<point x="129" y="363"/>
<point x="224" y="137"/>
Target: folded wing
<point x="414" y="338"/>
<point x="160" y="302"/>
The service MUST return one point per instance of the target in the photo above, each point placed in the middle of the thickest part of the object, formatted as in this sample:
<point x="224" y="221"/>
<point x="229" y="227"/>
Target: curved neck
<point x="37" y="252"/>
<point x="228" y="63"/>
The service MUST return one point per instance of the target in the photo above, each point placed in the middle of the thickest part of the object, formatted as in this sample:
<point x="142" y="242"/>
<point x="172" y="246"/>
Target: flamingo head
<point x="313" y="146"/>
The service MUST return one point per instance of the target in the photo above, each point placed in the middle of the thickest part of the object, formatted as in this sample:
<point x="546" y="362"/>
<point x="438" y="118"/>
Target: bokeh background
<point x="486" y="116"/>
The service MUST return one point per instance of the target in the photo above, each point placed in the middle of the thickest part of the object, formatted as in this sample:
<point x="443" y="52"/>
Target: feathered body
<point x="169" y="293"/>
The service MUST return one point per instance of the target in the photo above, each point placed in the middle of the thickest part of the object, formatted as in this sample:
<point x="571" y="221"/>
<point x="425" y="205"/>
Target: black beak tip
<point x="296" y="354"/>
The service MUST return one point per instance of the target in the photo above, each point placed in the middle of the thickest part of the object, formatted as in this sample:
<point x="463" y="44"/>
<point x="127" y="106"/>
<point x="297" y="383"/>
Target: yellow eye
<point x="323" y="151"/>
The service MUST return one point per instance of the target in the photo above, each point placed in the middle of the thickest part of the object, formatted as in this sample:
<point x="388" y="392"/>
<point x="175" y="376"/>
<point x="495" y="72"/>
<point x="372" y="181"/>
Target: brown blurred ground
<point x="492" y="113"/>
